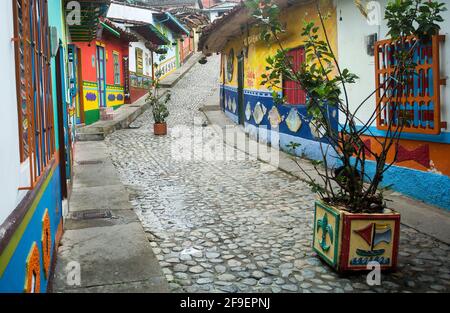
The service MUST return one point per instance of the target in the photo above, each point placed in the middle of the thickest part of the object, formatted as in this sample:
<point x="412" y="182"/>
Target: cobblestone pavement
<point x="227" y="226"/>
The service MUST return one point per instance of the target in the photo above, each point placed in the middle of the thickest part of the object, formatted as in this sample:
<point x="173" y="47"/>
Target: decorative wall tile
<point x="259" y="112"/>
<point x="293" y="120"/>
<point x="248" y="111"/>
<point x="274" y="117"/>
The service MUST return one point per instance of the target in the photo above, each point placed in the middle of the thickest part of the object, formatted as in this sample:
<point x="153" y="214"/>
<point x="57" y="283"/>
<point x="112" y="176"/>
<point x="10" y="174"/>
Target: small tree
<point x="159" y="107"/>
<point x="324" y="82"/>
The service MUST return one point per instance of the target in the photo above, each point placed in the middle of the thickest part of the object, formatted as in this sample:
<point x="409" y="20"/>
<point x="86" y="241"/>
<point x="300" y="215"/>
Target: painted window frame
<point x="139" y="61"/>
<point x="116" y="68"/>
<point x="34" y="88"/>
<point x="419" y="105"/>
<point x="299" y="94"/>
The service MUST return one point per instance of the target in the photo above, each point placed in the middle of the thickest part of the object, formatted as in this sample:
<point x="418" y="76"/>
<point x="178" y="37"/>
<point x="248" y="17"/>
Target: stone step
<point x="89" y="130"/>
<point x="99" y="136"/>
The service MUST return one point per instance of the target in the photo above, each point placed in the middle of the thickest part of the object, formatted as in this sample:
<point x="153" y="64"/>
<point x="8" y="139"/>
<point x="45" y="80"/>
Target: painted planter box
<point x="348" y="241"/>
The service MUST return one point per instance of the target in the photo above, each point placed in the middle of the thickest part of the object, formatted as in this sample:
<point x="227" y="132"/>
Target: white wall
<point x="132" y="56"/>
<point x="352" y="55"/>
<point x="9" y="138"/>
<point x="130" y="13"/>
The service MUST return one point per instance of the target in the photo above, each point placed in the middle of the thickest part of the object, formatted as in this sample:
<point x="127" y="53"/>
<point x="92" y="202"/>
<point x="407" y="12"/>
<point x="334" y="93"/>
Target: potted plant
<point x="161" y="50"/>
<point x="159" y="106"/>
<point x="160" y="113"/>
<point x="352" y="223"/>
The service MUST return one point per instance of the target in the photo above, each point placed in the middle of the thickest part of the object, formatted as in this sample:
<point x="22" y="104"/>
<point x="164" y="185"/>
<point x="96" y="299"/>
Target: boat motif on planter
<point x="274" y="117"/>
<point x="259" y="112"/>
<point x="326" y="229"/>
<point x="374" y="234"/>
<point x="293" y="120"/>
<point x="375" y="240"/>
<point x="248" y="111"/>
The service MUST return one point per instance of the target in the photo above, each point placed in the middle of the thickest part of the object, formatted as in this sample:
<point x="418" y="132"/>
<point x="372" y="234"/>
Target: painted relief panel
<point x="326" y="239"/>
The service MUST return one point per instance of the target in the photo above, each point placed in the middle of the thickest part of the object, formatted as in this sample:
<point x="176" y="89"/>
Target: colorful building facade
<point x="422" y="165"/>
<point x="138" y="20"/>
<point x="104" y="82"/>
<point x="31" y="196"/>
<point x="422" y="169"/>
<point x="244" y="100"/>
<point x="156" y="30"/>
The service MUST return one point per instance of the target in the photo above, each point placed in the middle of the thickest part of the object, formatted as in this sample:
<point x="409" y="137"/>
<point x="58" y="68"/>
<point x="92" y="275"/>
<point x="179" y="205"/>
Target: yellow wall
<point x="254" y="65"/>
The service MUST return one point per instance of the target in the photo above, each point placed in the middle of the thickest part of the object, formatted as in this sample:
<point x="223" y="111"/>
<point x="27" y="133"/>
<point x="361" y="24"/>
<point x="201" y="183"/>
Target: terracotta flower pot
<point x="349" y="241"/>
<point x="160" y="129"/>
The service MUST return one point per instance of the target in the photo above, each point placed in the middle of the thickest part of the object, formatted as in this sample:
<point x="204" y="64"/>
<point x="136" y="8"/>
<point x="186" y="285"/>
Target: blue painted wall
<point x="263" y="132"/>
<point x="429" y="187"/>
<point x="13" y="279"/>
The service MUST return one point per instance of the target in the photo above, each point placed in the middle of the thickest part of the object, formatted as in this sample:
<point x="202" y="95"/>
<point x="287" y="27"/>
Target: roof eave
<point x="176" y="26"/>
<point x="217" y="34"/>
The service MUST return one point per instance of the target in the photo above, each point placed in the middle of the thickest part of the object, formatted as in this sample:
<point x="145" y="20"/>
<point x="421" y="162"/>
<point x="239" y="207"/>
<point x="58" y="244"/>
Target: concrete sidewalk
<point x="103" y="234"/>
<point x="416" y="214"/>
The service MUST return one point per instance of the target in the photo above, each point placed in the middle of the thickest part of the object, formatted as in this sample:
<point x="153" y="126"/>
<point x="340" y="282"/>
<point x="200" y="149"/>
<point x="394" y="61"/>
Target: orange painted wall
<point x="415" y="154"/>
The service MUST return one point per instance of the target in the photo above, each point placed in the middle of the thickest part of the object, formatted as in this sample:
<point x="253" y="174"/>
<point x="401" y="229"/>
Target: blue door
<point x="101" y="76"/>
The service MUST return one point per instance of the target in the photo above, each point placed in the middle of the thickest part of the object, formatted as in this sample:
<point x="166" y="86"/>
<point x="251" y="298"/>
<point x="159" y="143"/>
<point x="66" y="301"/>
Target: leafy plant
<point x="159" y="106"/>
<point x="325" y="84"/>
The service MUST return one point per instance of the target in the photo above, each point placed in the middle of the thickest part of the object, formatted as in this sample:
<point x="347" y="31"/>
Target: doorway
<point x="101" y="76"/>
<point x="241" y="111"/>
<point x="64" y="155"/>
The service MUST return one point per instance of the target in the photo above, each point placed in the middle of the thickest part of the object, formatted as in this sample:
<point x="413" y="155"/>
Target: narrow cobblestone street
<point x="227" y="226"/>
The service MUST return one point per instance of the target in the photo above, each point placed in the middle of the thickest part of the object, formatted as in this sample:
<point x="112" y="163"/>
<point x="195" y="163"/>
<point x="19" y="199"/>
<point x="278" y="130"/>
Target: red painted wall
<point x="88" y="50"/>
<point x="110" y="46"/>
<point x="136" y="94"/>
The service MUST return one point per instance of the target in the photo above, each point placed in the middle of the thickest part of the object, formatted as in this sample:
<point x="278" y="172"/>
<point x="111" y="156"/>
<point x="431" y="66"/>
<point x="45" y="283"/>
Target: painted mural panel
<point x="114" y="96"/>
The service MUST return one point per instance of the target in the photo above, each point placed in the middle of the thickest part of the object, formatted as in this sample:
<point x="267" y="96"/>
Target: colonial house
<point x="422" y="167"/>
<point x="363" y="48"/>
<point x="35" y="123"/>
<point x="194" y="20"/>
<point x="103" y="60"/>
<point x="155" y="30"/>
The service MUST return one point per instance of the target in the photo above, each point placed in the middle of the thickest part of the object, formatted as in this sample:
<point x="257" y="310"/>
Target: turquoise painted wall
<point x="56" y="18"/>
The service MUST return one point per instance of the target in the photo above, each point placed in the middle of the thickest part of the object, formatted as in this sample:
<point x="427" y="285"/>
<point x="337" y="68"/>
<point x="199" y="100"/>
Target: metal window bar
<point x="418" y="103"/>
<point x="34" y="89"/>
<point x="292" y="90"/>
